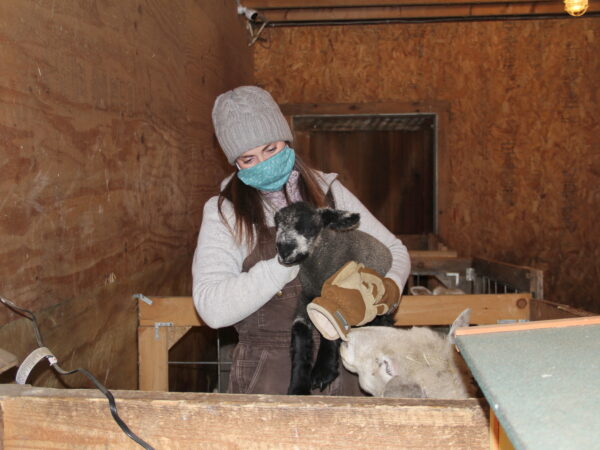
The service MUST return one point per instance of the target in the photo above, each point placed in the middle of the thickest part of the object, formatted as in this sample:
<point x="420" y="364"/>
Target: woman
<point x="237" y="279"/>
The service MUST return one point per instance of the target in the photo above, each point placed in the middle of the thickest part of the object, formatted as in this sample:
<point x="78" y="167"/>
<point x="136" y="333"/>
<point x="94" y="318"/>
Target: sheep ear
<point x="339" y="220"/>
<point x="386" y="362"/>
<point x="461" y="321"/>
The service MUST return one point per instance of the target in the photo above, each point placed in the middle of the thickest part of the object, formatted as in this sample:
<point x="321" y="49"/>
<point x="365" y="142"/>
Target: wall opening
<point x="387" y="160"/>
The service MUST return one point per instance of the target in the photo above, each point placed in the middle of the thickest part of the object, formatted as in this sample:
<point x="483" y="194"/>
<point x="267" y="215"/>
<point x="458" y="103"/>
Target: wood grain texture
<point x="520" y="178"/>
<point x="48" y="418"/>
<point x="107" y="156"/>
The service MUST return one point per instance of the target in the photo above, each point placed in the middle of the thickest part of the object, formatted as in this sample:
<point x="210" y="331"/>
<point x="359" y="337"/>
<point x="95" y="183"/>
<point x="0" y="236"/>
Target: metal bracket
<point x="143" y="298"/>
<point x="470" y="274"/>
<point x="456" y="276"/>
<point x="157" y="325"/>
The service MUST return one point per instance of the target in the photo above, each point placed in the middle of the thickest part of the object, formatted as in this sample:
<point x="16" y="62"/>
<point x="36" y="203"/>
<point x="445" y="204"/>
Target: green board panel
<point x="542" y="384"/>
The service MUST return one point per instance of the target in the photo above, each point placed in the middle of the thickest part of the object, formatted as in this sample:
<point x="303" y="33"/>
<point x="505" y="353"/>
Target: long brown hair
<point x="248" y="206"/>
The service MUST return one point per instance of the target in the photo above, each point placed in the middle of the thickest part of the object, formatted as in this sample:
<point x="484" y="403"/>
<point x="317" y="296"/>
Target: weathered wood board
<point x="49" y="418"/>
<point x="518" y="161"/>
<point x="107" y="156"/>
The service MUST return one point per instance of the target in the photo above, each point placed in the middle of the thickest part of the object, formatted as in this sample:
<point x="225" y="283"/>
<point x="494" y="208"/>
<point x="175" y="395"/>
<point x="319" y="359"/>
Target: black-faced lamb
<point x="408" y="363"/>
<point x="321" y="240"/>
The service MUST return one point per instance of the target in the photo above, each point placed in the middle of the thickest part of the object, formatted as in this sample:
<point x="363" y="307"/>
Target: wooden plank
<point x="299" y="4"/>
<point x="7" y="360"/>
<point x="417" y="11"/>
<point x="50" y="418"/>
<point x="180" y="311"/>
<point x="422" y="254"/>
<point x="425" y="265"/>
<point x="443" y="309"/>
<point x="422" y="106"/>
<point x="153" y="359"/>
<point x="413" y="310"/>
<point x="533" y="325"/>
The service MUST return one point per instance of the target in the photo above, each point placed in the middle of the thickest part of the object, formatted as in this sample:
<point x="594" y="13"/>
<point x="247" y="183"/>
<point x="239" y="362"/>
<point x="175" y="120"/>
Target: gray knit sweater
<point x="224" y="295"/>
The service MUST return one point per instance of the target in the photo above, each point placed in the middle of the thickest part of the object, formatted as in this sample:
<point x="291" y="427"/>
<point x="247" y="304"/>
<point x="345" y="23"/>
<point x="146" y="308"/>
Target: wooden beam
<point x="308" y="109"/>
<point x="421" y="254"/>
<point x="406" y="10"/>
<point x="303" y="4"/>
<point x="54" y="418"/>
<point x="443" y="309"/>
<point x="179" y="311"/>
<point x="537" y="325"/>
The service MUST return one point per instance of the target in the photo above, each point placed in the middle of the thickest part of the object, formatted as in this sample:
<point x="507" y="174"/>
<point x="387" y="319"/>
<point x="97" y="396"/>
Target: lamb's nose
<point x="284" y="249"/>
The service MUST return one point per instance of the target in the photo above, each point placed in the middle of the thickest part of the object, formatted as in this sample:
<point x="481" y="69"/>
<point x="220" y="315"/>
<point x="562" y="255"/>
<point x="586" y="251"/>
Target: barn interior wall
<point x="523" y="181"/>
<point x="107" y="156"/>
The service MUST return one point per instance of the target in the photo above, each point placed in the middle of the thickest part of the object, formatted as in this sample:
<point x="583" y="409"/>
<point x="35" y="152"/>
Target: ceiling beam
<point x="325" y="4"/>
<point x="282" y="12"/>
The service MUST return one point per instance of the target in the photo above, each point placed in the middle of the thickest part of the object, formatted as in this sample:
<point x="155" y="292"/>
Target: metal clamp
<point x="157" y="325"/>
<point x="143" y="298"/>
<point x="456" y="276"/>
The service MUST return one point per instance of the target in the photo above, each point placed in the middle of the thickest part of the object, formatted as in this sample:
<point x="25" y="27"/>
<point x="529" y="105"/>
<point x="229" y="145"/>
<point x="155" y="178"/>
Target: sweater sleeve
<point x="223" y="294"/>
<point x="400" y="270"/>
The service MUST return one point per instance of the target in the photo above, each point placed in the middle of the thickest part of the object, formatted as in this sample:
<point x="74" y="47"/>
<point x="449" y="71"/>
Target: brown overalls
<point x="261" y="359"/>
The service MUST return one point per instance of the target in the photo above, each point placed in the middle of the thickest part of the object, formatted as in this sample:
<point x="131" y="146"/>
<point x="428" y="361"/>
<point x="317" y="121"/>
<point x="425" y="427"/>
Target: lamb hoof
<point x="322" y="378"/>
<point x="298" y="390"/>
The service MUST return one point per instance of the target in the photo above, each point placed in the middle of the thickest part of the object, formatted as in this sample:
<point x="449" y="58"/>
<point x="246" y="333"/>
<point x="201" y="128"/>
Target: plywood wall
<point x="106" y="157"/>
<point x="523" y="173"/>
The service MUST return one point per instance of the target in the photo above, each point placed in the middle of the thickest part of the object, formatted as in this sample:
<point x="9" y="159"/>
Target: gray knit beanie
<point x="247" y="117"/>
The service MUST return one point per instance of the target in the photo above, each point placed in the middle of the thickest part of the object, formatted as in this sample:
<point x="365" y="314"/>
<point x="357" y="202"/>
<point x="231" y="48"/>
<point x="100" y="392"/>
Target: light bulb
<point x="576" y="7"/>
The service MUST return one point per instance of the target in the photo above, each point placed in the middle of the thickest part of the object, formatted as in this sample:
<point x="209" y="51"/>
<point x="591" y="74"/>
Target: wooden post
<point x="498" y="438"/>
<point x="153" y="359"/>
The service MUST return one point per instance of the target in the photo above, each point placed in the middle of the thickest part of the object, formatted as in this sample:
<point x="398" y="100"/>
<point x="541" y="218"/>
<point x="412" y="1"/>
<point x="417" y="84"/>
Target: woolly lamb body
<point x="336" y="248"/>
<point x="416" y="362"/>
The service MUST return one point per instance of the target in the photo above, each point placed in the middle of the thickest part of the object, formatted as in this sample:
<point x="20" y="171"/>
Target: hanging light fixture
<point x="576" y="7"/>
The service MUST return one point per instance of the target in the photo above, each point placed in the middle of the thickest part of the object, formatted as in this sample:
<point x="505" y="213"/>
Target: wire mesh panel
<point x="201" y="360"/>
<point x="475" y="276"/>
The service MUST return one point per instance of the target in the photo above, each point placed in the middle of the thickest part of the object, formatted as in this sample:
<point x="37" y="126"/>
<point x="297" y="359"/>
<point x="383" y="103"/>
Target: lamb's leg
<point x="327" y="363"/>
<point x="301" y="352"/>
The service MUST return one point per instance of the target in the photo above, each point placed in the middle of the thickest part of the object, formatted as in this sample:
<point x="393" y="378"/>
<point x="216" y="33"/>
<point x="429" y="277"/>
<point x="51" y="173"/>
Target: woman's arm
<point x="344" y="199"/>
<point x="223" y="294"/>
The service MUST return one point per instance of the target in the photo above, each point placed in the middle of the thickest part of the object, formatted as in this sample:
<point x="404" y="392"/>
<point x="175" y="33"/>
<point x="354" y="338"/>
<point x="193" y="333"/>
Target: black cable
<point x="111" y="399"/>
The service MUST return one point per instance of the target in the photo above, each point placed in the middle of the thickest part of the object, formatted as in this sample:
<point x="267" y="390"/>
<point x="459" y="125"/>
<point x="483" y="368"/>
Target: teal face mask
<point x="272" y="174"/>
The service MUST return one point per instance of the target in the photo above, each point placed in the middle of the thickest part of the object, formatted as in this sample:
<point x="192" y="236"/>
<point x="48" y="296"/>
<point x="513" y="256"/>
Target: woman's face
<point x="259" y="154"/>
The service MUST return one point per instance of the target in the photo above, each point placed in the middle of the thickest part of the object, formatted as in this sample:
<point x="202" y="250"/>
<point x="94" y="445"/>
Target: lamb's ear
<point x="339" y="220"/>
<point x="461" y="321"/>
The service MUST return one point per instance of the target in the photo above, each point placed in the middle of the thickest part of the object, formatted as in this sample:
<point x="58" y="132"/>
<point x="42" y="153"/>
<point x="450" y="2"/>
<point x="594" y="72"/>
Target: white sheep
<point x="409" y="363"/>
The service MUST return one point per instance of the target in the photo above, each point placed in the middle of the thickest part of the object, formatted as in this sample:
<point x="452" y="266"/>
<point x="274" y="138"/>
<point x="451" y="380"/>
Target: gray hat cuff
<point x="242" y="136"/>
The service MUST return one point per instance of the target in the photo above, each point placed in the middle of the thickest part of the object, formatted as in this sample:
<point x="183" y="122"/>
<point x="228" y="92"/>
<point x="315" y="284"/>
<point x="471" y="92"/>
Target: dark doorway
<point x="387" y="161"/>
